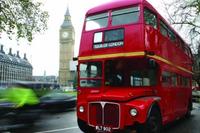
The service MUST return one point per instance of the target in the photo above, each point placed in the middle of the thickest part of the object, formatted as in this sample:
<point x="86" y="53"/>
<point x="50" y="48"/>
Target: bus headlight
<point x="81" y="109"/>
<point x="133" y="112"/>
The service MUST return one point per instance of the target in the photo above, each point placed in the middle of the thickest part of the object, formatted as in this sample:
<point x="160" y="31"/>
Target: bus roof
<point x="115" y="4"/>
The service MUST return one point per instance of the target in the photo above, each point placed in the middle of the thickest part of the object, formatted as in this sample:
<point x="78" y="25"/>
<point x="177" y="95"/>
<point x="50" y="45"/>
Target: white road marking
<point x="57" y="130"/>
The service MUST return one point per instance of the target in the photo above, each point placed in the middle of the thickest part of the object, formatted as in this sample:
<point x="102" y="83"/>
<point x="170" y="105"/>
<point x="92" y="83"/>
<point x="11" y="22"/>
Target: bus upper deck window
<point x="163" y="29"/>
<point x="172" y="35"/>
<point x="96" y="21"/>
<point x="125" y="16"/>
<point x="150" y="18"/>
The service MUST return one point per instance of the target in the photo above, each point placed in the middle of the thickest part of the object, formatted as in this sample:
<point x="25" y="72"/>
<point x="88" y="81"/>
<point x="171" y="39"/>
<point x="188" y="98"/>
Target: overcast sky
<point x="43" y="51"/>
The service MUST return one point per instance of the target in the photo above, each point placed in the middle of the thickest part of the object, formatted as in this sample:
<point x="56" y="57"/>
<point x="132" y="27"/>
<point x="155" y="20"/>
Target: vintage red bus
<point x="134" y="70"/>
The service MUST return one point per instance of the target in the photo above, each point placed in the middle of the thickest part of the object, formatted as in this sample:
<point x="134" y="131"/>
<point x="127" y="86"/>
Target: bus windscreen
<point x="125" y="16"/>
<point x="96" y="21"/>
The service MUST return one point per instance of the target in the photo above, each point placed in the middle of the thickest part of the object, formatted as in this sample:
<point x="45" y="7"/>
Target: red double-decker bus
<point x="134" y="70"/>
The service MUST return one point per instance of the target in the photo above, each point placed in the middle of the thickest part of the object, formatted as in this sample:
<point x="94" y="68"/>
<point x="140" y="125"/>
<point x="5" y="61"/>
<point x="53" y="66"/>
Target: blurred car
<point x="12" y="117"/>
<point x="196" y="95"/>
<point x="57" y="101"/>
<point x="196" y="88"/>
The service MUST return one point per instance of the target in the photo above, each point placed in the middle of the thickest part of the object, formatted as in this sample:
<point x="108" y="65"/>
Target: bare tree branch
<point x="185" y="15"/>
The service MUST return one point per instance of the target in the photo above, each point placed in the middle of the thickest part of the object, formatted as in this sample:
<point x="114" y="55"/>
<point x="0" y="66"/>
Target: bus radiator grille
<point x="104" y="114"/>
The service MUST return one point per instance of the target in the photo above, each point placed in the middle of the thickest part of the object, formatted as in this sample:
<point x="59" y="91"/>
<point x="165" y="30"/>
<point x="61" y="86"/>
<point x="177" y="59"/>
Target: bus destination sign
<point x="108" y="45"/>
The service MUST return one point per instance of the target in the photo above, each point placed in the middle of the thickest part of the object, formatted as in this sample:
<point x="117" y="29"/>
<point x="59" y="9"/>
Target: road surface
<point x="66" y="123"/>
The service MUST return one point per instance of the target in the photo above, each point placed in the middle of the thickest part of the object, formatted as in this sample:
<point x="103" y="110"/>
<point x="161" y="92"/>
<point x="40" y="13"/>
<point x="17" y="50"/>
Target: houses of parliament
<point x="15" y="68"/>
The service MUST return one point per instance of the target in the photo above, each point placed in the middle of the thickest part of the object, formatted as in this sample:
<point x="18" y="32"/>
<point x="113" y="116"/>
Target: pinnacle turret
<point x="67" y="21"/>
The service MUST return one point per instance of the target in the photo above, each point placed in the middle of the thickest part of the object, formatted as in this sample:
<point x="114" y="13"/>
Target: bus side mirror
<point x="75" y="58"/>
<point x="152" y="63"/>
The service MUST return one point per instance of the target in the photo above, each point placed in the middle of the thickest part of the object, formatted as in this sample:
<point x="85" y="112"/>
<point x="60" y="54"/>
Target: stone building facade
<point x="14" y="68"/>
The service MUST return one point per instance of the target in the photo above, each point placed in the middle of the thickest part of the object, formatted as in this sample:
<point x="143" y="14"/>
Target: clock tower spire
<point x="66" y="50"/>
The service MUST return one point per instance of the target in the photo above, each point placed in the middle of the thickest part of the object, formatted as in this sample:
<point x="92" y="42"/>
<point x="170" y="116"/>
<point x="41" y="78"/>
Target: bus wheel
<point x="84" y="127"/>
<point x="153" y="123"/>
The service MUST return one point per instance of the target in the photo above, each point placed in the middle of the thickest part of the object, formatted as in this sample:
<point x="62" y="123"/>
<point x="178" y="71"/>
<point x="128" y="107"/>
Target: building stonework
<point x="14" y="68"/>
<point x="66" y="34"/>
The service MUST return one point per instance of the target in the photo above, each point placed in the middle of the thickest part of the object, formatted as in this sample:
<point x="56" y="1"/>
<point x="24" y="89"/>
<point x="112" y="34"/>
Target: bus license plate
<point x="103" y="129"/>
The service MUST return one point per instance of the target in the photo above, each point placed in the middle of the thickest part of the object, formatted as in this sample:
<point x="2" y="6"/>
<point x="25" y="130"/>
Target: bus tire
<point x="153" y="123"/>
<point x="85" y="127"/>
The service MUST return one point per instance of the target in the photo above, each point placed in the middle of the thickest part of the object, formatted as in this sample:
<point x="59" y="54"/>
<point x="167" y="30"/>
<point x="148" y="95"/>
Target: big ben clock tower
<point x="66" y="50"/>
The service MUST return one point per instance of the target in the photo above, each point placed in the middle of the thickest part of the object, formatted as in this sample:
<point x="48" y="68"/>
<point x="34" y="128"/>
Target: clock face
<point x="65" y="34"/>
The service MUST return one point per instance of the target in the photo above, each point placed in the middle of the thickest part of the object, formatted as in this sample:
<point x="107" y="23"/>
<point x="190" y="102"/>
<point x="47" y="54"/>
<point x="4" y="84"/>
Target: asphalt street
<point x="66" y="123"/>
